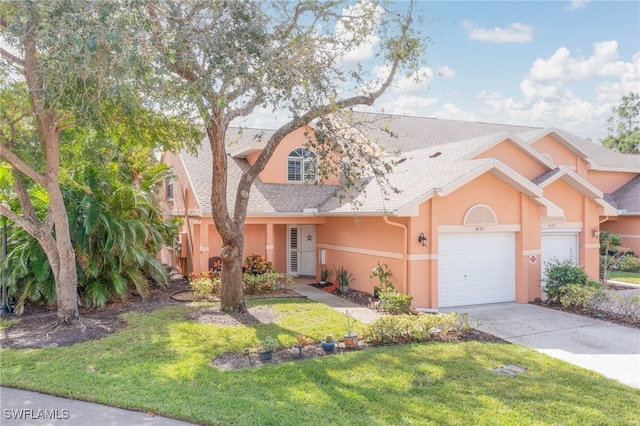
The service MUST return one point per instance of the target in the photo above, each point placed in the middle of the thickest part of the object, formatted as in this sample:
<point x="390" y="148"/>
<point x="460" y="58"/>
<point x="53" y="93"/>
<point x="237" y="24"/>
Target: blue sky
<point x="558" y="64"/>
<point x="541" y="63"/>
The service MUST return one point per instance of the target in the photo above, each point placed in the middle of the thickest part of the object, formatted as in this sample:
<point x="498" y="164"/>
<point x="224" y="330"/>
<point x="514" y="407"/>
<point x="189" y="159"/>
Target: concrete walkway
<point x="360" y="313"/>
<point x="25" y="408"/>
<point x="609" y="349"/>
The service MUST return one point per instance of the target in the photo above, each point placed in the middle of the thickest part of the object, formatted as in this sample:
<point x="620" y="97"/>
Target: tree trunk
<point x="231" y="294"/>
<point x="66" y="276"/>
<point x="232" y="232"/>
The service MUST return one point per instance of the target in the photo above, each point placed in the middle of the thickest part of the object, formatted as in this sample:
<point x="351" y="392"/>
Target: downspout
<point x="606" y="218"/>
<point x="404" y="251"/>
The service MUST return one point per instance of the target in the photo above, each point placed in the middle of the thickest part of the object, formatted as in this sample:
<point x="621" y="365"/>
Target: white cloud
<point x="576" y="4"/>
<point x="452" y="112"/>
<point x="405" y="105"/>
<point x="356" y="20"/>
<point x="513" y="33"/>
<point x="446" y="72"/>
<point x="562" y="66"/>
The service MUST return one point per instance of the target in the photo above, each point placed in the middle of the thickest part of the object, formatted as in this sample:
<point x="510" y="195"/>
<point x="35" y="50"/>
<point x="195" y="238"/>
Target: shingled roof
<point x="627" y="198"/>
<point x="265" y="198"/>
<point x="431" y="154"/>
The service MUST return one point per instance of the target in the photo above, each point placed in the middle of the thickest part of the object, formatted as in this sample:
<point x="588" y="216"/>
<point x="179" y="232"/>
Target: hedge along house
<point x="480" y="207"/>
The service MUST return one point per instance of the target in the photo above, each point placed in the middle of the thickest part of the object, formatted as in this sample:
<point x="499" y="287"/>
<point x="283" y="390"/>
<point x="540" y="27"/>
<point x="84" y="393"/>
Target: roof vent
<point x="435" y="154"/>
<point x="480" y="214"/>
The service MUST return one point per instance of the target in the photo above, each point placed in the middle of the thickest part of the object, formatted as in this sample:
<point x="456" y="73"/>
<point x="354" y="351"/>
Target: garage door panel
<point x="476" y="268"/>
<point x="562" y="246"/>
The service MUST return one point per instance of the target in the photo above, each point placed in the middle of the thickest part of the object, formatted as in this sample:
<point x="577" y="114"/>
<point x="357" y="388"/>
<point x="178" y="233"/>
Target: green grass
<point x="8" y="322"/>
<point x="628" y="277"/>
<point x="160" y="363"/>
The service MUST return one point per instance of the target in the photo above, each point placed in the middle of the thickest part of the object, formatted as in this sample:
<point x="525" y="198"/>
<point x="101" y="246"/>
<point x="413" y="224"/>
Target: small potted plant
<point x="328" y="344"/>
<point x="266" y="347"/>
<point x="350" y="337"/>
<point x="343" y="277"/>
<point x="302" y="342"/>
<point x="325" y="274"/>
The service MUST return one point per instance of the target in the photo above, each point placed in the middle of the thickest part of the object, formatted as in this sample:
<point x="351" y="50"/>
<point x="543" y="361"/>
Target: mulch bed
<point x="359" y="297"/>
<point x="591" y="313"/>
<point x="611" y="317"/>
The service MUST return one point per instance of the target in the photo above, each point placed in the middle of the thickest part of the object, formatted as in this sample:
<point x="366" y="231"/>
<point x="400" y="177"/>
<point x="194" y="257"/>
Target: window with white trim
<point x="301" y="165"/>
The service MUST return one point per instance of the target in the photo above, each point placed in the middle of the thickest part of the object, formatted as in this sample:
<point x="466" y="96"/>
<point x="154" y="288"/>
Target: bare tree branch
<point x="12" y="58"/>
<point x="20" y="165"/>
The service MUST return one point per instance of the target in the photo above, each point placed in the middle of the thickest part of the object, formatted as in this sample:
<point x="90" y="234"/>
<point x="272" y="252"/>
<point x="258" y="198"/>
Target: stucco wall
<point x="608" y="182"/>
<point x="628" y="228"/>
<point x="515" y="158"/>
<point x="276" y="169"/>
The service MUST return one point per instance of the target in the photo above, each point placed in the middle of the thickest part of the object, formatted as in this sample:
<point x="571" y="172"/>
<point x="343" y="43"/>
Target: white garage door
<point x="476" y="268"/>
<point x="561" y="246"/>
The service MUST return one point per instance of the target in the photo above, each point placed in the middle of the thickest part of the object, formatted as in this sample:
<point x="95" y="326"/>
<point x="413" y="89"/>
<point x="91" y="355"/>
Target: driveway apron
<point x="609" y="349"/>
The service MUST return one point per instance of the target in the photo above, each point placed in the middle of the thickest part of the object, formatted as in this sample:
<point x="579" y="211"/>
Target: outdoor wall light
<point x="595" y="232"/>
<point x="422" y="239"/>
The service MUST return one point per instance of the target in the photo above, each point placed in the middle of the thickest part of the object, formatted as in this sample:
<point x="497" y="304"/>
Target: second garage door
<point x="476" y="268"/>
<point x="559" y="245"/>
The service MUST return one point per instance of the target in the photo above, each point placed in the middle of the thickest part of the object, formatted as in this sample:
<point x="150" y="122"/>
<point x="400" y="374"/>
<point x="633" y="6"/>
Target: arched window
<point x="301" y="165"/>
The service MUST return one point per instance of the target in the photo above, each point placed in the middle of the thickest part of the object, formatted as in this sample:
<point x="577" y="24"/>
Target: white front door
<point x="476" y="268"/>
<point x="302" y="250"/>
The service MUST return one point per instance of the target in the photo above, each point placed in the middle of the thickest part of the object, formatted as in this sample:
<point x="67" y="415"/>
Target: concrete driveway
<point x="609" y="349"/>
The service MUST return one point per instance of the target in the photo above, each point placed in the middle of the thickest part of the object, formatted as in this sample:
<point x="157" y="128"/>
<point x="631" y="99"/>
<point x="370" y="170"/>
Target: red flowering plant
<point x="257" y="264"/>
<point x="205" y="284"/>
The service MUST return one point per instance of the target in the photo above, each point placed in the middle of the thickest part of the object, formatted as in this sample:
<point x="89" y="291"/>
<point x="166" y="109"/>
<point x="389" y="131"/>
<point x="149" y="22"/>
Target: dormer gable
<point x="561" y="151"/>
<point x="514" y="152"/>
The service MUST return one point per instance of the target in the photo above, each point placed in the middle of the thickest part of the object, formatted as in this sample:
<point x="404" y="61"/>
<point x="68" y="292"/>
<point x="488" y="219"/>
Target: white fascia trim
<point x="518" y="142"/>
<point x="607" y="209"/>
<point x="553" y="132"/>
<point x="190" y="186"/>
<point x="553" y="211"/>
<point x="575" y="181"/>
<point x="412" y="208"/>
<point x="502" y="172"/>
<point x="243" y="152"/>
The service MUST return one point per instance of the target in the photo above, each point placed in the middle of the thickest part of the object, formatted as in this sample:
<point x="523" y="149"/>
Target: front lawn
<point x="160" y="363"/>
<point x="628" y="277"/>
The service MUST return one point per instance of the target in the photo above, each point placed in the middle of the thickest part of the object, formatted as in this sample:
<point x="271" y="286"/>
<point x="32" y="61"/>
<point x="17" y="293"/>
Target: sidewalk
<point x="360" y="313"/>
<point x="25" y="408"/>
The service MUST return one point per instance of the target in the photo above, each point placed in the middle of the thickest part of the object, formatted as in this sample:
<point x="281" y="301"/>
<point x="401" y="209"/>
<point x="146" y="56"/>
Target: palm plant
<point x="117" y="229"/>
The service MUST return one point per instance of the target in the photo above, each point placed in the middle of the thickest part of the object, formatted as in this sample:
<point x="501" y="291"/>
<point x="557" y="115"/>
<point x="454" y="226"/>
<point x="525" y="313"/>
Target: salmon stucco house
<point x="481" y="208"/>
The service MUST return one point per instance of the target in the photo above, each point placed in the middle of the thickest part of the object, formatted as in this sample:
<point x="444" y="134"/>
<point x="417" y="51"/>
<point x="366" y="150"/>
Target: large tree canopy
<point x="66" y="65"/>
<point x="230" y="58"/>
<point x="624" y="126"/>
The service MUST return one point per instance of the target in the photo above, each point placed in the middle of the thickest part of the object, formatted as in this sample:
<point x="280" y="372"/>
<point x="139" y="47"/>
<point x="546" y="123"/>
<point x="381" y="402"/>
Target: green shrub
<point x="393" y="302"/>
<point x="415" y="328"/>
<point x="558" y="274"/>
<point x="583" y="296"/>
<point x="205" y="285"/>
<point x="629" y="264"/>
<point x="627" y="306"/>
<point x="266" y="283"/>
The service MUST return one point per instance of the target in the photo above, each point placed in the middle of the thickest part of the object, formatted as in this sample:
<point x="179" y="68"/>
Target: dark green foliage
<point x="558" y="274"/>
<point x="624" y="131"/>
<point x="117" y="230"/>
